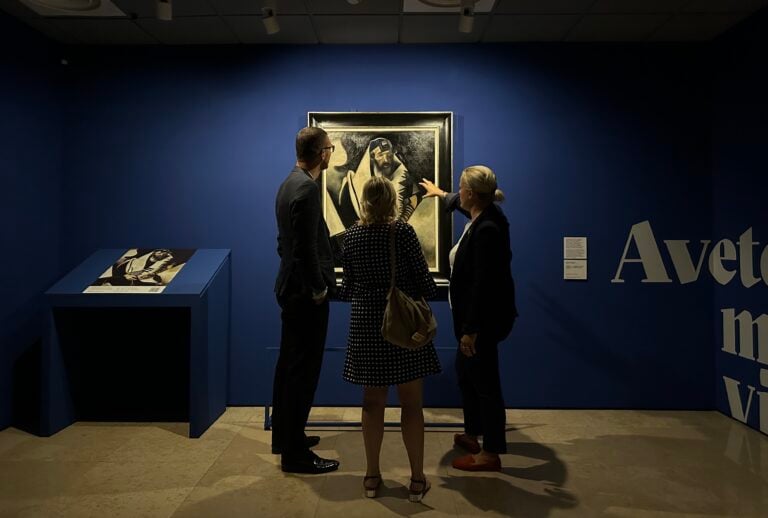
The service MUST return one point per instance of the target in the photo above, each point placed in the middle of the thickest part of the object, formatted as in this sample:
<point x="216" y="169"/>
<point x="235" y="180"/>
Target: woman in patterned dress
<point x="371" y="361"/>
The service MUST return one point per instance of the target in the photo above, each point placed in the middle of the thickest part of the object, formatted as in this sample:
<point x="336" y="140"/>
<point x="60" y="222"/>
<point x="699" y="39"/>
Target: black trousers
<point x="483" y="401"/>
<point x="302" y="342"/>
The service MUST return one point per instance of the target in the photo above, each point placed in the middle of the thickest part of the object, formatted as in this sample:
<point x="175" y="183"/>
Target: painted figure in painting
<point x="381" y="160"/>
<point x="362" y="156"/>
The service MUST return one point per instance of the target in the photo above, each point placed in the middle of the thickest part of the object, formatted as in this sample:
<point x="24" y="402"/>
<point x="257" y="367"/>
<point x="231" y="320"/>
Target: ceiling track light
<point x="467" y="16"/>
<point x="447" y="4"/>
<point x="164" y="10"/>
<point x="69" y="5"/>
<point x="466" y="11"/>
<point x="269" y="19"/>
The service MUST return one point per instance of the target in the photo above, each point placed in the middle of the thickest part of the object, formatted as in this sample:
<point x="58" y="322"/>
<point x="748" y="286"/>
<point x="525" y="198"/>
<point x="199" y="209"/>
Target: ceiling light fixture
<point x="444" y="4"/>
<point x="75" y="8"/>
<point x="69" y="5"/>
<point x="466" y="11"/>
<point x="269" y="20"/>
<point x="467" y="16"/>
<point x="353" y="2"/>
<point x="164" y="10"/>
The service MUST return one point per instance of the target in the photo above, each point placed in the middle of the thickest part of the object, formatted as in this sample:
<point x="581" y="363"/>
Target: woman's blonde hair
<point x="481" y="180"/>
<point x="378" y="203"/>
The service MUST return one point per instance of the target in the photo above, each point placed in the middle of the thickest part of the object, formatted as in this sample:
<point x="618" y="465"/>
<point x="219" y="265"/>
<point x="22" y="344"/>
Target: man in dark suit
<point x="303" y="283"/>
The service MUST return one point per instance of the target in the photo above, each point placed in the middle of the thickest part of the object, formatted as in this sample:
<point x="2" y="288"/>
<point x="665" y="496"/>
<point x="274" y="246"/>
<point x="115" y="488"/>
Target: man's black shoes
<point x="313" y="465"/>
<point x="309" y="442"/>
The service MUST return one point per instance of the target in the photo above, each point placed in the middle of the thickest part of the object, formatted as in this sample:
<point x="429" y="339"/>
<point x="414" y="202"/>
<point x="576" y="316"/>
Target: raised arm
<point x="450" y="199"/>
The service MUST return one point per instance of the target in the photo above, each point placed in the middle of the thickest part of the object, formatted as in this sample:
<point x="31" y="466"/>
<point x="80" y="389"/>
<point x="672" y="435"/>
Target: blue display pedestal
<point x="135" y="336"/>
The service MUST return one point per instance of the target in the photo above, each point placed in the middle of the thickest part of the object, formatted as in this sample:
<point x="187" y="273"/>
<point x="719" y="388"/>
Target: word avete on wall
<point x="740" y="331"/>
<point x="687" y="270"/>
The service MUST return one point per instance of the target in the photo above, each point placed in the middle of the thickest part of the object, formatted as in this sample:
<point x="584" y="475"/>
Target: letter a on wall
<point x="650" y="257"/>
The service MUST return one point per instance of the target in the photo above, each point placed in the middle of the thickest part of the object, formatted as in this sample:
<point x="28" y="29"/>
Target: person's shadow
<point x="531" y="484"/>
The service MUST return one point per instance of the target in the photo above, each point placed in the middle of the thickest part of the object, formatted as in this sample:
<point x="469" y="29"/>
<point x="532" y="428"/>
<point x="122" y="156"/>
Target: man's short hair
<point x="309" y="143"/>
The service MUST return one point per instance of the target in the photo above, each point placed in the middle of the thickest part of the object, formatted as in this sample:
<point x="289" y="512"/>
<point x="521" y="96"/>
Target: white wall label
<point x="575" y="247"/>
<point x="575" y="269"/>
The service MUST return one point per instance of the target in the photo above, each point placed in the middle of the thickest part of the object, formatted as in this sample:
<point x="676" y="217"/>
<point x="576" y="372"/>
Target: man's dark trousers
<point x="304" y="328"/>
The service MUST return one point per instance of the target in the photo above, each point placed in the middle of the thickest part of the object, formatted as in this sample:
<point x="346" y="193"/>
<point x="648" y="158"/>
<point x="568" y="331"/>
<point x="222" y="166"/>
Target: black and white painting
<point x="405" y="147"/>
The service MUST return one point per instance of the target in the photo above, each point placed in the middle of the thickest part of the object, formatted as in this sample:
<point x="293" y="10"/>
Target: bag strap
<point x="392" y="257"/>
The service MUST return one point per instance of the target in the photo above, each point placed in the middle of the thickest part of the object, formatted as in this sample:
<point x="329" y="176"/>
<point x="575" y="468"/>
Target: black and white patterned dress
<point x="371" y="360"/>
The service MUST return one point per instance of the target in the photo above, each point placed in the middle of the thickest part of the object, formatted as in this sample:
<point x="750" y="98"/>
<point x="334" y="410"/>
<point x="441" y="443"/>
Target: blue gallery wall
<point x="740" y="184"/>
<point x="186" y="148"/>
<point x="30" y="158"/>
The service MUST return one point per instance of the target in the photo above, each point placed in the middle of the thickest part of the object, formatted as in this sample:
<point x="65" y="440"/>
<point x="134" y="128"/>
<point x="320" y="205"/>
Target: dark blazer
<point x="482" y="289"/>
<point x="303" y="242"/>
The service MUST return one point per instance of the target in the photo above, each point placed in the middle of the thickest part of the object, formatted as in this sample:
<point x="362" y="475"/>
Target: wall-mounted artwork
<point x="404" y="147"/>
<point x="142" y="270"/>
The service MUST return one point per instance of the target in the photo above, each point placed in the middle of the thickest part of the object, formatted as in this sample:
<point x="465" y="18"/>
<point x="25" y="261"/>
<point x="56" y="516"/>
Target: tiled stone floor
<point x="560" y="463"/>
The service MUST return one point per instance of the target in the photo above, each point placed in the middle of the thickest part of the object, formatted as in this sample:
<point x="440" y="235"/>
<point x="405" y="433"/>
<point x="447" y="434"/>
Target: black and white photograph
<point x="142" y="270"/>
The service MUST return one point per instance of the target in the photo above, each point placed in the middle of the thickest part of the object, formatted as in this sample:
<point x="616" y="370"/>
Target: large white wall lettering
<point x="744" y="336"/>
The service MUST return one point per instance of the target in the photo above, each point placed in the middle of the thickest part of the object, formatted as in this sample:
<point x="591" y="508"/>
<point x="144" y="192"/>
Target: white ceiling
<point x="386" y="21"/>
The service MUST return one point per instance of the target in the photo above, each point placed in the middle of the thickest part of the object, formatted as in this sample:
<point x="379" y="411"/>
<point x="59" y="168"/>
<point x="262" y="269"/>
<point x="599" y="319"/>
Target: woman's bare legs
<point x="374" y="403"/>
<point x="412" y="424"/>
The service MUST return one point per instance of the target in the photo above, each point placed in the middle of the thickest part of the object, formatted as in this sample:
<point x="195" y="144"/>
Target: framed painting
<point x="405" y="147"/>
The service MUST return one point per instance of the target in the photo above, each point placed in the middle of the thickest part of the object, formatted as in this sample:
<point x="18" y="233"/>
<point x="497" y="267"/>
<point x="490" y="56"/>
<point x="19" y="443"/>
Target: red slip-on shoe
<point x="468" y="463"/>
<point x="467" y="443"/>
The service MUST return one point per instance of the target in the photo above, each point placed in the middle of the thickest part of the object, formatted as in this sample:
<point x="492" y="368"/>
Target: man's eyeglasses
<point x="332" y="148"/>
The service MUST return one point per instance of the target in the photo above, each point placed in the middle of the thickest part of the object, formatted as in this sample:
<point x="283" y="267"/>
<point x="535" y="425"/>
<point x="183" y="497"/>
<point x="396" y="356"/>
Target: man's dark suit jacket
<point x="482" y="289"/>
<point x="303" y="243"/>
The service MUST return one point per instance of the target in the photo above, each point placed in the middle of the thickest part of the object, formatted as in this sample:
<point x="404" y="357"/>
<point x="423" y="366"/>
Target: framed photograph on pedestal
<point x="405" y="147"/>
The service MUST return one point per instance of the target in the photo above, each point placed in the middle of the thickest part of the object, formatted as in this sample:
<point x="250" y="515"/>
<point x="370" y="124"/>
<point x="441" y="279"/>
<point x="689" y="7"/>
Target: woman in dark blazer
<point x="482" y="299"/>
